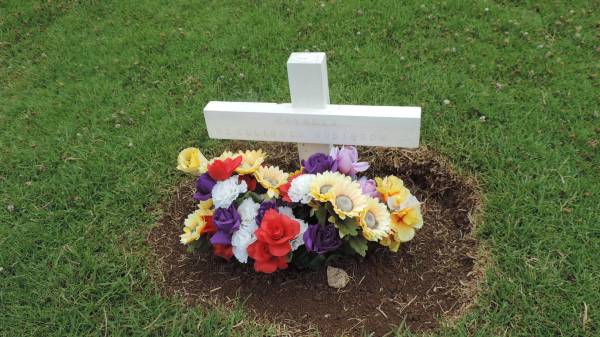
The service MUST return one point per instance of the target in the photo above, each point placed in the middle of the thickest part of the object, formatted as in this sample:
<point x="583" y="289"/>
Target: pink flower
<point x="368" y="187"/>
<point x="345" y="161"/>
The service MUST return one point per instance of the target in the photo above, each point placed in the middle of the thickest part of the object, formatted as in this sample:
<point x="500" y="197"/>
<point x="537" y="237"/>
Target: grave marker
<point x="310" y="120"/>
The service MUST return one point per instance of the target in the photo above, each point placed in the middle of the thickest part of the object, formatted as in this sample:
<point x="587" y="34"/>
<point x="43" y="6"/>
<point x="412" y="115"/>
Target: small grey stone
<point x="337" y="278"/>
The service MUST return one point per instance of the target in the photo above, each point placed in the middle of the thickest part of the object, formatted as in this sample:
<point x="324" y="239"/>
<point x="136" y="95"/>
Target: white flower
<point x="397" y="205"/>
<point x="243" y="238"/>
<point x="300" y="188"/>
<point x="299" y="239"/>
<point x="411" y="201"/>
<point x="249" y="226"/>
<point x="226" y="191"/>
<point x="286" y="211"/>
<point x="248" y="210"/>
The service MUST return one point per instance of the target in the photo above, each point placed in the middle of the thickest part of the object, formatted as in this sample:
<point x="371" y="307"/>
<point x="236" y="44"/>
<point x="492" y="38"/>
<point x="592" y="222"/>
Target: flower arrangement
<point x="264" y="216"/>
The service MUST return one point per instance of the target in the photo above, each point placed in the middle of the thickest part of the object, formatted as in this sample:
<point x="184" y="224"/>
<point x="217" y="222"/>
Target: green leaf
<point x="321" y="215"/>
<point x="359" y="245"/>
<point x="346" y="227"/>
<point x="256" y="197"/>
<point x="316" y="262"/>
<point x="304" y="259"/>
<point x="190" y="248"/>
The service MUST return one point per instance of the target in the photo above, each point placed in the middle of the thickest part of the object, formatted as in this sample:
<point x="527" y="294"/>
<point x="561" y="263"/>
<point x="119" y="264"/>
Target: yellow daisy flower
<point x="271" y="177"/>
<point x="391" y="186"/>
<point x="192" y="229"/>
<point x="251" y="161"/>
<point x="323" y="182"/>
<point x="374" y="220"/>
<point x="206" y="208"/>
<point x="406" y="221"/>
<point x="224" y="155"/>
<point x="347" y="199"/>
<point x="191" y="160"/>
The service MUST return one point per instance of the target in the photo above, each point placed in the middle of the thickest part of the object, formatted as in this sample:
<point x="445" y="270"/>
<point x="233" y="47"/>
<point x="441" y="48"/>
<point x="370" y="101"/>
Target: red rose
<point x="224" y="251"/>
<point x="263" y="260"/>
<point x="277" y="230"/>
<point x="223" y="169"/>
<point x="209" y="227"/>
<point x="250" y="182"/>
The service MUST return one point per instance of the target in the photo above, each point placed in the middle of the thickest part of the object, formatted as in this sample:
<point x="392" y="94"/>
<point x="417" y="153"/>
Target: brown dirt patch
<point x="431" y="279"/>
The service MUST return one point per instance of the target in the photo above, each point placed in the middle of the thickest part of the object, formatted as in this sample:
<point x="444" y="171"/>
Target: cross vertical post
<point x="309" y="88"/>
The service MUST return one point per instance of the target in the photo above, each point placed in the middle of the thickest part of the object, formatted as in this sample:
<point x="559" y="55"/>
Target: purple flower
<point x="322" y="239"/>
<point x="368" y="187"/>
<point x="227" y="221"/>
<point x="264" y="206"/>
<point x="317" y="163"/>
<point x="204" y="186"/>
<point x="346" y="161"/>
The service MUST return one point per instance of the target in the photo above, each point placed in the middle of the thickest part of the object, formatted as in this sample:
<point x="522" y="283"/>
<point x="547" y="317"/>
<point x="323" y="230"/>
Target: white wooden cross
<point x="310" y="120"/>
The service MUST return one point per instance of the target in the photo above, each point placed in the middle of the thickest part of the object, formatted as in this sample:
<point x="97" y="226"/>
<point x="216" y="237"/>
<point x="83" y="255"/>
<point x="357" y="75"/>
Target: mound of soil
<point x="432" y="278"/>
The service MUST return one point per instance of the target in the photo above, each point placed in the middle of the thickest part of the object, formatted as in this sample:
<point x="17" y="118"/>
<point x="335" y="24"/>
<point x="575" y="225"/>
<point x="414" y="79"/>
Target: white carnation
<point x="248" y="210"/>
<point x="287" y="211"/>
<point x="243" y="238"/>
<point x="299" y="239"/>
<point x="300" y="188"/>
<point x="226" y="191"/>
<point x="249" y="226"/>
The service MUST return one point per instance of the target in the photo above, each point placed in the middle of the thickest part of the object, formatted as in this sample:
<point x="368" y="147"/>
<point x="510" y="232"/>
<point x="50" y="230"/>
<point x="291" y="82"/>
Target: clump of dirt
<point x="431" y="279"/>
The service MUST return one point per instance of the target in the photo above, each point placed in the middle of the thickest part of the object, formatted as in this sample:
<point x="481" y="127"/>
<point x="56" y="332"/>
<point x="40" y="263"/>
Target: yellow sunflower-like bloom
<point x="374" y="220"/>
<point x="271" y="177"/>
<point x="347" y="199"/>
<point x="391" y="186"/>
<point x="251" y="161"/>
<point x="194" y="224"/>
<point x="407" y="220"/>
<point x="191" y="160"/>
<point x="205" y="208"/>
<point x="323" y="182"/>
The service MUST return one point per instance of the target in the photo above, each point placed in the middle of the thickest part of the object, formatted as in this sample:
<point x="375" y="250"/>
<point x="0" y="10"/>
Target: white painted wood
<point x="307" y="75"/>
<point x="336" y="124"/>
<point x="309" y="88"/>
<point x="310" y="120"/>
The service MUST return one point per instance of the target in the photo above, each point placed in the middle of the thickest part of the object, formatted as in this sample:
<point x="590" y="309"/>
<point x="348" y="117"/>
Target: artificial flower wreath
<point x="267" y="217"/>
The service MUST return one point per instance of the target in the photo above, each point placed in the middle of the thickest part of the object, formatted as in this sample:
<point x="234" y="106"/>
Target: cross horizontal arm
<point x="335" y="124"/>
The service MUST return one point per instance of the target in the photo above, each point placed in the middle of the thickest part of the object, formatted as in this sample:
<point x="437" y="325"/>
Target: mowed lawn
<point x="97" y="98"/>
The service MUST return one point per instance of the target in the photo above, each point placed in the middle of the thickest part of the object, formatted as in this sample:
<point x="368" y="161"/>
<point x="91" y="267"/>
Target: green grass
<point x="97" y="98"/>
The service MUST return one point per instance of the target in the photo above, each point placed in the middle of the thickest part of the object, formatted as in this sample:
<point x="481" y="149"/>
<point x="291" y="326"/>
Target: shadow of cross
<point x="310" y="120"/>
